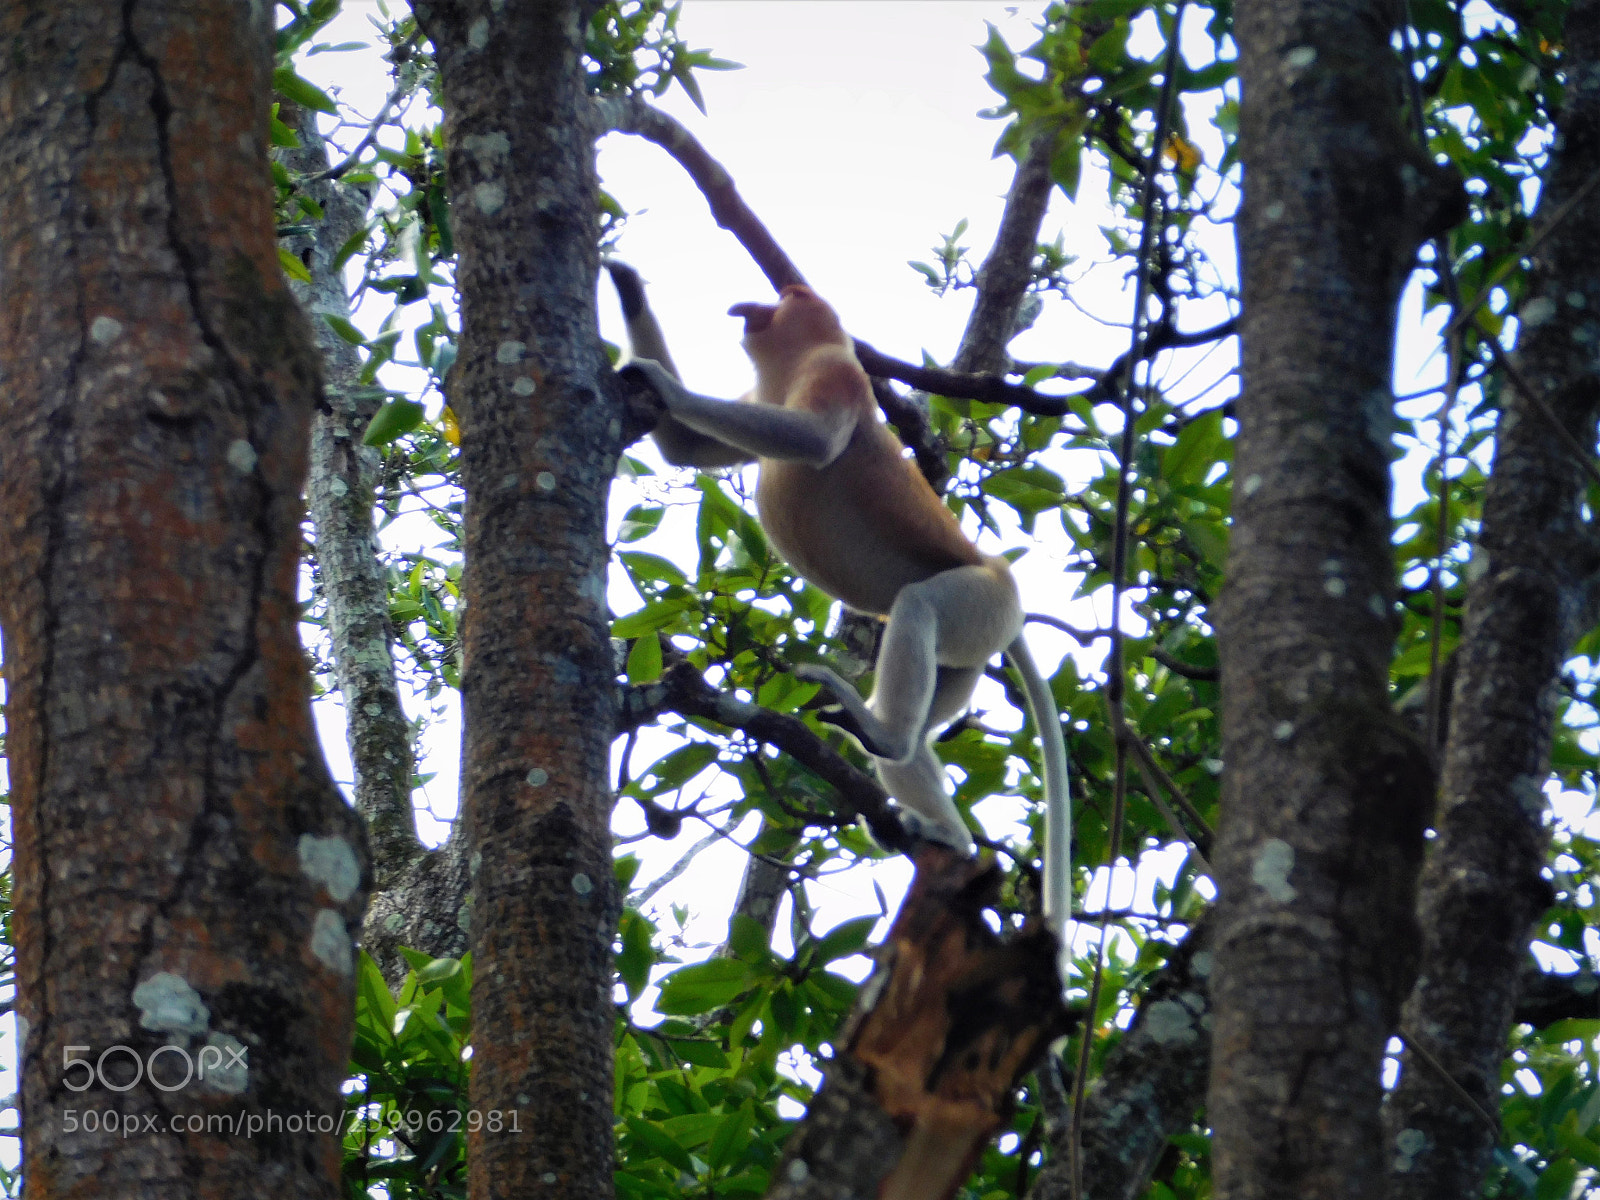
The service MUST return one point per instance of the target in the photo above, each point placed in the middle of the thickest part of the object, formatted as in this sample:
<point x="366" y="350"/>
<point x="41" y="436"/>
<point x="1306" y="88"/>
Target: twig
<point x="1583" y="457"/>
<point x="1153" y="793"/>
<point x="351" y="159"/>
<point x="1450" y="1080"/>
<point x="1445" y="270"/>
<point x="682" y="689"/>
<point x="1147" y="758"/>
<point x="1148" y="347"/>
<point x="679" y="867"/>
<point x="1470" y="312"/>
<point x="1178" y="667"/>
<point x="960" y="385"/>
<point x="1082" y="636"/>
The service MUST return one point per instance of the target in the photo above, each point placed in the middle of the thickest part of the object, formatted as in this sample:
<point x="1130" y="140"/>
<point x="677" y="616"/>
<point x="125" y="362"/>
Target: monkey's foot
<point x="841" y="718"/>
<point x="850" y="714"/>
<point x="918" y="826"/>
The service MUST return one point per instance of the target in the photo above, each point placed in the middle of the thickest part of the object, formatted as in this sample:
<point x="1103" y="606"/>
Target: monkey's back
<point x="864" y="526"/>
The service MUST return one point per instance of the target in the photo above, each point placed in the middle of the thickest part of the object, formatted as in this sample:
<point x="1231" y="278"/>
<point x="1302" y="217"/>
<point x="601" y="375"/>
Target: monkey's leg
<point x="926" y="808"/>
<point x="955" y="620"/>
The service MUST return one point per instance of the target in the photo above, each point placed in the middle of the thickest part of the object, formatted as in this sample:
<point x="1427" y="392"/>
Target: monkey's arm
<point x="685" y="447"/>
<point x="810" y="436"/>
<point x="679" y="445"/>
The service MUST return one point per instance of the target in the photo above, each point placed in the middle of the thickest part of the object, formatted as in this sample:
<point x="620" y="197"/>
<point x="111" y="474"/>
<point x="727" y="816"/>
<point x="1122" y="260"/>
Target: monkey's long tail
<point x="1057" y="899"/>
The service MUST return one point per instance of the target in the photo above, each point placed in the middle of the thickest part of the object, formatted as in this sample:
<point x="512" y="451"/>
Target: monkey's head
<point x="801" y="320"/>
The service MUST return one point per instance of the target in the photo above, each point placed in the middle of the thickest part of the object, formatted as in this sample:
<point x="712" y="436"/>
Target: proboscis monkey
<point x="852" y="515"/>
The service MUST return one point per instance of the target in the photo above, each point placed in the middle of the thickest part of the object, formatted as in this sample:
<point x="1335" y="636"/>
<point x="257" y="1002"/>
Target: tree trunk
<point x="339" y="491"/>
<point x="1152" y="1085"/>
<point x="187" y="876"/>
<point x="1484" y="886"/>
<point x="539" y="446"/>
<point x="1325" y="792"/>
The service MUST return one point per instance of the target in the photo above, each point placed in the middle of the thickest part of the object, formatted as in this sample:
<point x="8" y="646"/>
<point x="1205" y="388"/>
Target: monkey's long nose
<point x="756" y="316"/>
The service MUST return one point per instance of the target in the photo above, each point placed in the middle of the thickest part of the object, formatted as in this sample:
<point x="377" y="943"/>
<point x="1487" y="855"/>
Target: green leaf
<point x="703" y="987"/>
<point x="439" y="970"/>
<point x="653" y="616"/>
<point x="644" y="660"/>
<point x="1555" y="1182"/>
<point x="729" y="1143"/>
<point x="748" y="939"/>
<point x="292" y="266"/>
<point x="343" y="327"/>
<point x="302" y="91"/>
<point x="844" y="940"/>
<point x="281" y="135"/>
<point x="637" y="954"/>
<point x="640" y="521"/>
<point x="352" y="244"/>
<point x="1190" y="458"/>
<point x="374" y="991"/>
<point x="394" y="419"/>
<point x="699" y="1053"/>
<point x="651" y="568"/>
<point x="672" y="771"/>
<point x="659" y="1144"/>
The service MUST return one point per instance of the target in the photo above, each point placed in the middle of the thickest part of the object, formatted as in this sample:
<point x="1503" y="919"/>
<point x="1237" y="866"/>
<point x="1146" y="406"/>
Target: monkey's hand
<point x="659" y="379"/>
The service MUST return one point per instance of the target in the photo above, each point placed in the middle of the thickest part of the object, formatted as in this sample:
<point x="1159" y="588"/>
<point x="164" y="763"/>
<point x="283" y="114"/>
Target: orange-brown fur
<point x="813" y="514"/>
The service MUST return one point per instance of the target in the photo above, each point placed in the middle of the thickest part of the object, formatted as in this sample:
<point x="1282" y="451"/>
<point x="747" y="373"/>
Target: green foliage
<point x="698" y="1095"/>
<point x="713" y="1057"/>
<point x="406" y="1115"/>
<point x="633" y="46"/>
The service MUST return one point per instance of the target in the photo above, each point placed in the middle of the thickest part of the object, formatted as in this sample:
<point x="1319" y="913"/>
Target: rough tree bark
<point x="539" y="446"/>
<point x="1004" y="277"/>
<point x="1151" y="1087"/>
<point x="926" y="1068"/>
<point x="187" y="876"/>
<point x="1483" y="886"/>
<point x="1325" y="792"/>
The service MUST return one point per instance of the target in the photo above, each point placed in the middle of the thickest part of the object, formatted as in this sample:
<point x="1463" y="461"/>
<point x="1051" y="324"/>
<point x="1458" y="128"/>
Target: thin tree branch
<point x="1469" y="312"/>
<point x="644" y="896"/>
<point x="378" y="122"/>
<point x="1188" y="670"/>
<point x="1583" y="456"/>
<point x="682" y="689"/>
<point x="960" y="385"/>
<point x="1142" y="751"/>
<point x="1006" y="273"/>
<point x="631" y="114"/>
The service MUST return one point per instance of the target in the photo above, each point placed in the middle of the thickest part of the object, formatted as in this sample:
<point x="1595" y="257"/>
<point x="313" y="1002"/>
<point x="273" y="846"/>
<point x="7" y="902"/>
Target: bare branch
<point x="960" y="385"/>
<point x="631" y="114"/>
<point x="682" y="689"/>
<point x="1008" y="270"/>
